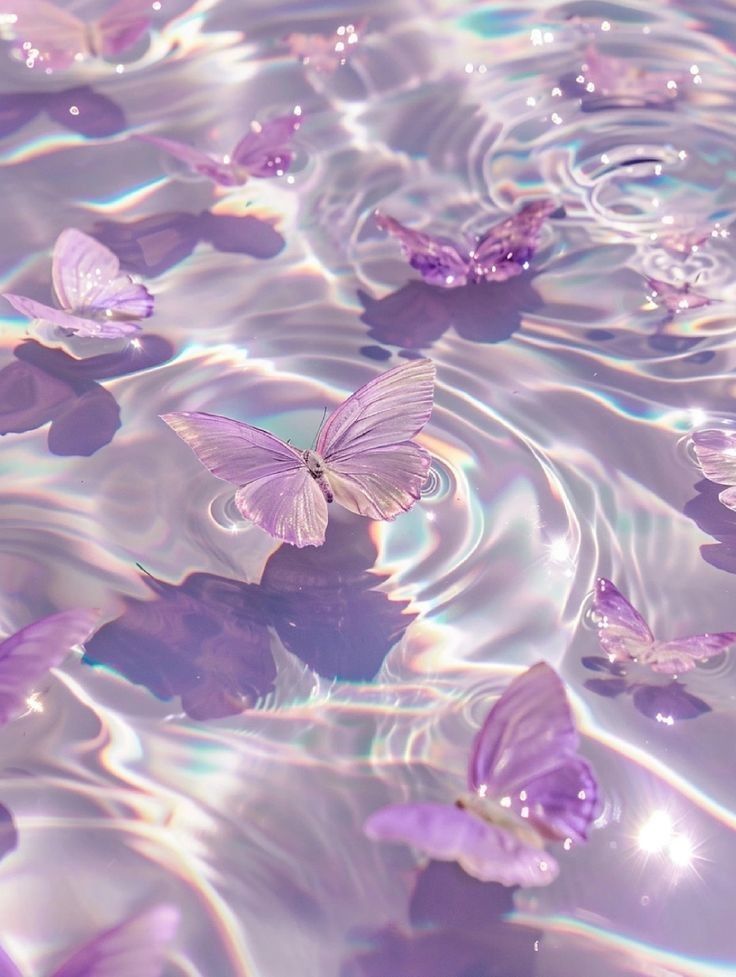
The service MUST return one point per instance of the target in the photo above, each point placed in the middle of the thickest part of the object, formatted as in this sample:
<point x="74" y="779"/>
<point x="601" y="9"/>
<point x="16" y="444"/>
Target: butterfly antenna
<point x="146" y="571"/>
<point x="314" y="440"/>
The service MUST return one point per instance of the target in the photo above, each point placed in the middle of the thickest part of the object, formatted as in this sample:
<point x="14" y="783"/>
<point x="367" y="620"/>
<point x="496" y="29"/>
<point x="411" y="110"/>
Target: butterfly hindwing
<point x="122" y="26"/>
<point x="438" y="262"/>
<point x="447" y="833"/>
<point x="195" y="159"/>
<point x="57" y="36"/>
<point x="682" y="654"/>
<point x="266" y="150"/>
<point x="504" y="250"/>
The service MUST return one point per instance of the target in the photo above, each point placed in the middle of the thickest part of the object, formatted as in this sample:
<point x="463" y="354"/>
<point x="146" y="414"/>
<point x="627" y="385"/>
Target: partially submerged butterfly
<point x="96" y="299"/>
<point x="501" y="253"/>
<point x="27" y="655"/>
<point x="134" y="948"/>
<point x="527" y="785"/>
<point x="716" y="454"/>
<point x="615" y="82"/>
<point x="265" y="151"/>
<point x="53" y="38"/>
<point x="677" y="298"/>
<point x="625" y="636"/>
<point x="324" y="54"/>
<point x="364" y="457"/>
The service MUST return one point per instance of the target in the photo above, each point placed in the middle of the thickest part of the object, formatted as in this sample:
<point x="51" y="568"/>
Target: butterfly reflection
<point x="48" y="385"/>
<point x="457" y="926"/>
<point x="664" y="703"/>
<point x="79" y="109"/>
<point x="208" y="639"/>
<point x="151" y="245"/>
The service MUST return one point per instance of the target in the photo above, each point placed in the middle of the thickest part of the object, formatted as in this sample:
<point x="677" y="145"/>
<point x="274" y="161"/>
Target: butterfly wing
<point x="65" y="320"/>
<point x="373" y="467"/>
<point x="716" y="454"/>
<point x="7" y="967"/>
<point x="677" y="298"/>
<point x="86" y="276"/>
<point x="438" y="262"/>
<point x="30" y="653"/>
<point x="451" y="834"/>
<point x="135" y="948"/>
<point x="682" y="654"/>
<point x="46" y="35"/>
<point x="505" y="250"/>
<point x="195" y="159"/>
<point x="526" y="752"/>
<point x="623" y="633"/>
<point x="266" y="149"/>
<point x="275" y="488"/>
<point x="122" y="26"/>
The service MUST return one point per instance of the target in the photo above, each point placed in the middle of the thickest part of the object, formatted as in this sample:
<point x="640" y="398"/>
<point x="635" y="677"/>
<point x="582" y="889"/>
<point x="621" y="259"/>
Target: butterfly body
<point x="501" y="816"/>
<point x="316" y="467"/>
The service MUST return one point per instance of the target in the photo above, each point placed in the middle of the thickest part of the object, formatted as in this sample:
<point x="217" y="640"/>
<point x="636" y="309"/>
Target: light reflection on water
<point x="324" y="684"/>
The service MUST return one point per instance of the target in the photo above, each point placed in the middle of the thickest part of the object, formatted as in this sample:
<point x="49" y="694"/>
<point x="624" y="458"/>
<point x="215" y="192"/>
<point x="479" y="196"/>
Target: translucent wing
<point x="438" y="262"/>
<point x="373" y="467"/>
<point x="86" y="276"/>
<point x="266" y="149"/>
<point x="46" y="35"/>
<point x="716" y="455"/>
<point x="76" y="324"/>
<point x="28" y="655"/>
<point x="677" y="298"/>
<point x="682" y="654"/>
<point x="622" y="631"/>
<point x="122" y="26"/>
<point x="526" y="752"/>
<point x="450" y="834"/>
<point x="135" y="948"/>
<point x="196" y="160"/>
<point x="7" y="967"/>
<point x="275" y="488"/>
<point x="505" y="250"/>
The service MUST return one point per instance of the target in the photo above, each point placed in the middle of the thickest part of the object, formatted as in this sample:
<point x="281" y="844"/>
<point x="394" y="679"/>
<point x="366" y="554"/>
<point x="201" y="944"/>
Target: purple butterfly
<point x="135" y="948"/>
<point x="501" y="253"/>
<point x="677" y="298"/>
<point x="95" y="299"/>
<point x="51" y="37"/>
<point x="616" y="82"/>
<point x="364" y="458"/>
<point x="716" y="455"/>
<point x="625" y="636"/>
<point x="27" y="655"/>
<point x="264" y="151"/>
<point x="527" y="783"/>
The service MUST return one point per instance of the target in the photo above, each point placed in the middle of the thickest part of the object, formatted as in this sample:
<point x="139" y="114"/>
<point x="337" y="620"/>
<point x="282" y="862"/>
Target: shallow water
<point x="250" y="705"/>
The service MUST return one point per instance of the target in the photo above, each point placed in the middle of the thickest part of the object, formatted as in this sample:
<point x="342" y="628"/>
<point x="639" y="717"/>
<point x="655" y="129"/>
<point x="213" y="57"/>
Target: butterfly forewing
<point x="195" y="159"/>
<point x="525" y="755"/>
<point x="135" y="948"/>
<point x="122" y="26"/>
<point x="266" y="150"/>
<point x="485" y="851"/>
<point x="622" y="631"/>
<point x="57" y="37"/>
<point x="28" y="655"/>
<point x="682" y="654"/>
<point x="503" y="251"/>
<point x="439" y="263"/>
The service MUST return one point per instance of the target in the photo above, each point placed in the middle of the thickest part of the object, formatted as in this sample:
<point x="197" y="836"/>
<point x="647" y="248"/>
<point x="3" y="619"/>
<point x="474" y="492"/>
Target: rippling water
<point x="245" y="707"/>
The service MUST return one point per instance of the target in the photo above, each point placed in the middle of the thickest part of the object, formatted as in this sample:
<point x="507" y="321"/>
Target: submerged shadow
<point x="663" y="703"/>
<point x="8" y="832"/>
<point x="710" y="515"/>
<point x="48" y="385"/>
<point x="418" y="314"/>
<point x="79" y="109"/>
<point x="152" y="245"/>
<point x="458" y="926"/>
<point x="208" y="641"/>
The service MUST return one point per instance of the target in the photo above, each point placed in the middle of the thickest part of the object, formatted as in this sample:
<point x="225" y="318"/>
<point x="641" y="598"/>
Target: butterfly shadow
<point x="8" y="833"/>
<point x="48" y="385"/>
<point x="79" y="109"/>
<point x="661" y="703"/>
<point x="151" y="245"/>
<point x="418" y="314"/>
<point x="208" y="639"/>
<point x="718" y="521"/>
<point x="457" y="925"/>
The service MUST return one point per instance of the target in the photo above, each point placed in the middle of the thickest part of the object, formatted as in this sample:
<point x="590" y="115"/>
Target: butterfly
<point x="364" y="457"/>
<point x="52" y="37"/>
<point x="264" y="151"/>
<point x="615" y="82"/>
<point x="677" y="298"/>
<point x="716" y="454"/>
<point x="27" y="655"/>
<point x="527" y="786"/>
<point x="501" y="253"/>
<point x="96" y="299"/>
<point x="134" y="948"/>
<point x="625" y="636"/>
<point x="324" y="54"/>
